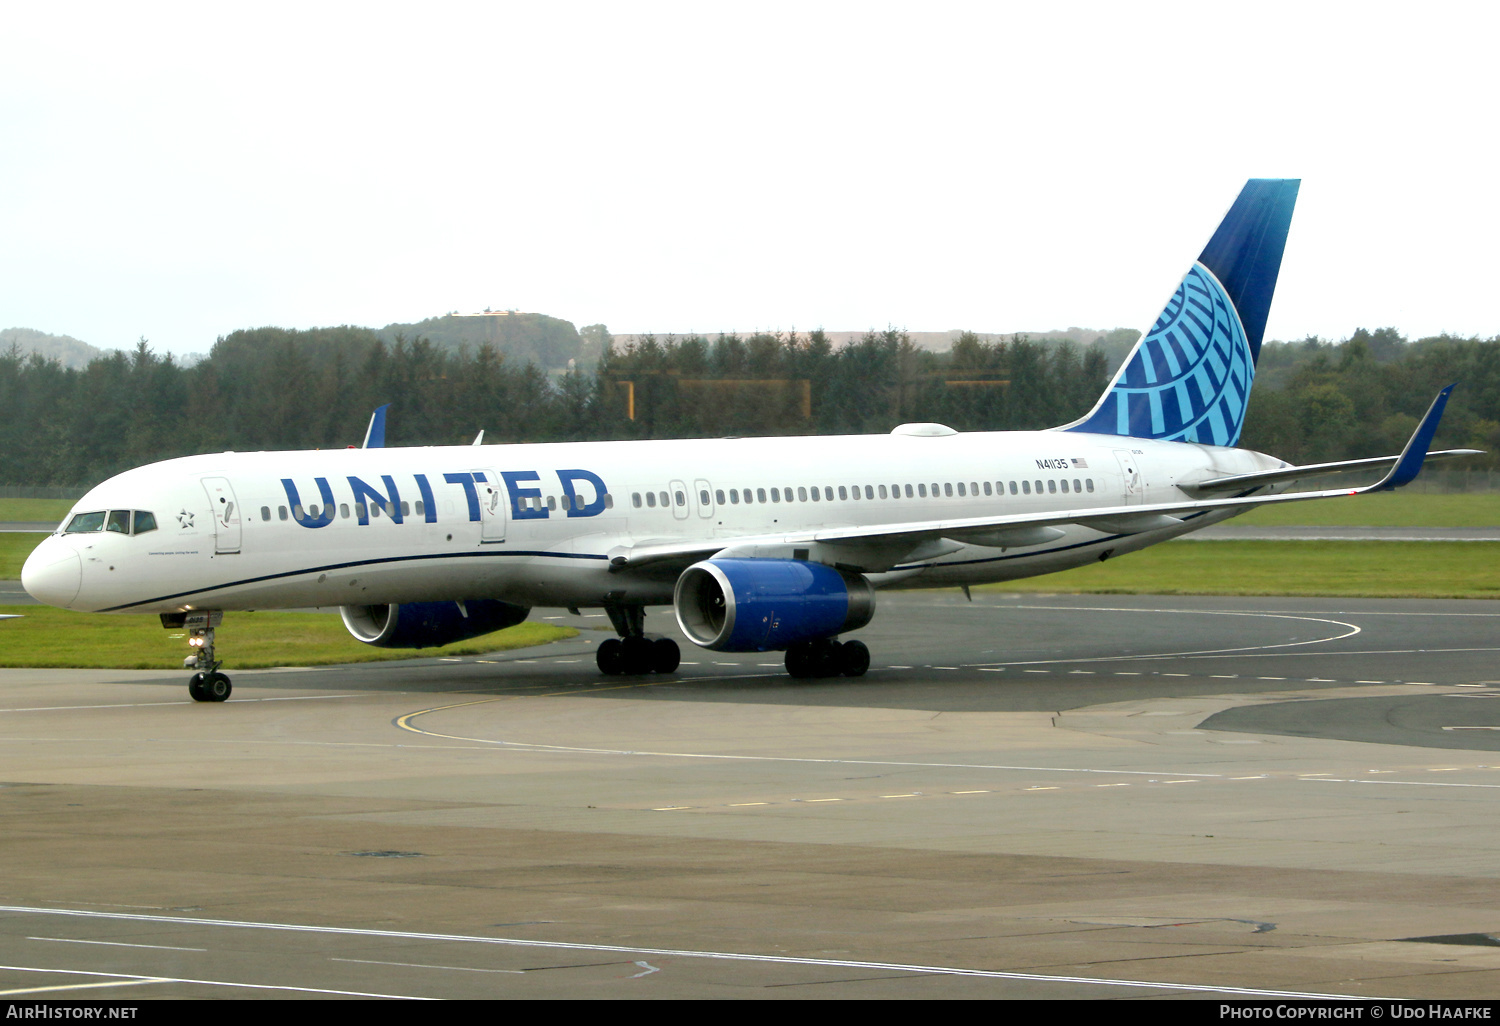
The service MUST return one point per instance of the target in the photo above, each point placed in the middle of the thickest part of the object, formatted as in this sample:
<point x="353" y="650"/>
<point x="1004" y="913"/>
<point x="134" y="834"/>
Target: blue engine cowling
<point x="429" y="624"/>
<point x="763" y="605"/>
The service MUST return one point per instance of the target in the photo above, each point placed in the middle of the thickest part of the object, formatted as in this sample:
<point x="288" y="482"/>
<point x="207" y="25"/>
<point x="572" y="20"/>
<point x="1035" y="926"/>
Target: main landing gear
<point x="208" y="684"/>
<point x="632" y="653"/>
<point x="825" y="657"/>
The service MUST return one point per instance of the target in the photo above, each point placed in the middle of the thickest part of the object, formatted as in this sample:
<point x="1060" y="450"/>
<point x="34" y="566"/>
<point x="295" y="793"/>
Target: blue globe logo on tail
<point x="1189" y="379"/>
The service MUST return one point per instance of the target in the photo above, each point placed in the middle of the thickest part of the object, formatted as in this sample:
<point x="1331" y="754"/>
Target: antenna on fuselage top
<point x="375" y="433"/>
<point x="479" y="438"/>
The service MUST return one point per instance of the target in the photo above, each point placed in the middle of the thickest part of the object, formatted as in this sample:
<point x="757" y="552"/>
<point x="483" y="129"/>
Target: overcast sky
<point x="180" y="171"/>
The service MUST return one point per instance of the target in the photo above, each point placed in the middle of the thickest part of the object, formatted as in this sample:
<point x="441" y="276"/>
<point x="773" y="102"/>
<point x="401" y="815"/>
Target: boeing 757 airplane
<point x="757" y="544"/>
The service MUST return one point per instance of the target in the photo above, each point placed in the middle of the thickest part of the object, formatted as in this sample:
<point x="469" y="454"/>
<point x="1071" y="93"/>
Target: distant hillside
<point x="65" y="349"/>
<point x="520" y="337"/>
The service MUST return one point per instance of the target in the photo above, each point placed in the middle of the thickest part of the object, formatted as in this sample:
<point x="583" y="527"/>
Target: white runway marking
<point x="731" y="956"/>
<point x="117" y="981"/>
<point x="111" y="944"/>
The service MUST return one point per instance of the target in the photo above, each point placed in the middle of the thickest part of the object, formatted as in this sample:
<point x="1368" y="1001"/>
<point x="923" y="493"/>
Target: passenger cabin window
<point x="281" y="512"/>
<point x="265" y="512"/>
<point x="635" y="499"/>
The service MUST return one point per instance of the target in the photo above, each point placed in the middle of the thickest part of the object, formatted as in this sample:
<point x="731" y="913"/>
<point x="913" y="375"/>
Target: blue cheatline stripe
<point x="348" y="565"/>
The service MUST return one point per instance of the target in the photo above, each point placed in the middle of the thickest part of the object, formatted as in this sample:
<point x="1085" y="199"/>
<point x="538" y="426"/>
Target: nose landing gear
<point x="208" y="684"/>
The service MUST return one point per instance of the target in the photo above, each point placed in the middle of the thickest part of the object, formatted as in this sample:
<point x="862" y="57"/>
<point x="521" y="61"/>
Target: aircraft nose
<point x="53" y="573"/>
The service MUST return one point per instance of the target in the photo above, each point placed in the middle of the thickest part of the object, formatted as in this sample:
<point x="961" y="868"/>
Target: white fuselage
<point x="534" y="524"/>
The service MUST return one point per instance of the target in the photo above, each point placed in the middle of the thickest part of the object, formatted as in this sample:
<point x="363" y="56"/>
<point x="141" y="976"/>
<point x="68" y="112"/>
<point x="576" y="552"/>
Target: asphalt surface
<point x="1028" y="796"/>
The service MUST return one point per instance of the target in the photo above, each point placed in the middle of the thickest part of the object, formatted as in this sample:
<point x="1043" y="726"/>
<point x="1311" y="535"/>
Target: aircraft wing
<point x="1241" y="482"/>
<point x="877" y="547"/>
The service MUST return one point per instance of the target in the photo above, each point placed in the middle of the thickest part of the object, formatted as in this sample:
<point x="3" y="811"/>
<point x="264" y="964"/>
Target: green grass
<point x="1346" y="569"/>
<point x="55" y="637"/>
<point x="1387" y="509"/>
<point x="35" y="509"/>
<point x="14" y="548"/>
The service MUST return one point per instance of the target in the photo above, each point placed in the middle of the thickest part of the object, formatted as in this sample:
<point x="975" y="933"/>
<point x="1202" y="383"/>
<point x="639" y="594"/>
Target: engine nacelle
<point x="429" y="624"/>
<point x="762" y="605"/>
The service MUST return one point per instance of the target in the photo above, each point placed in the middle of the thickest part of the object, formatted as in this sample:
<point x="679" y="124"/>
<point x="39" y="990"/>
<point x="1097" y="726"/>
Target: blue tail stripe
<point x="1245" y="253"/>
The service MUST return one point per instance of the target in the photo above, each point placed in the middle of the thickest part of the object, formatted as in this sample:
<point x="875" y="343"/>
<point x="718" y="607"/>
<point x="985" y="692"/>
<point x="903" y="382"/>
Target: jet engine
<point x="762" y="605"/>
<point x="429" y="624"/>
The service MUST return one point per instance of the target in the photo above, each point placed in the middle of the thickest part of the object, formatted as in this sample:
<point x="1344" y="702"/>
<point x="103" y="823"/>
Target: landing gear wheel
<point x="828" y="657"/>
<point x="799" y="659"/>
<point x="217" y="687"/>
<point x="209" y="687"/>
<point x="611" y="657"/>
<point x="638" y="653"/>
<point x="855" y="658"/>
<point x="665" y="655"/>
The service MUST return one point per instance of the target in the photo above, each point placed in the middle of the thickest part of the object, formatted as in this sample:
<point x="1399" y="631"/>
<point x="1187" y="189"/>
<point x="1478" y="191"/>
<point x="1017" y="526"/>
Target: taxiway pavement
<point x="1028" y="796"/>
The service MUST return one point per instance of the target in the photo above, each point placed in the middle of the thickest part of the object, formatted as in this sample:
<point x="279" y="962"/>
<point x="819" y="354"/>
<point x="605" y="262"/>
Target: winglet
<point x="1410" y="464"/>
<point x="375" y="433"/>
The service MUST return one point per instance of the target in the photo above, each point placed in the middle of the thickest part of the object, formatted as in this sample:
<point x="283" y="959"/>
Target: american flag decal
<point x="1080" y="464"/>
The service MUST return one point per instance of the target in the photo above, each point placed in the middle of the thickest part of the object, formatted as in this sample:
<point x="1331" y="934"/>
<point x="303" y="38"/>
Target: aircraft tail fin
<point x="375" y="433"/>
<point x="1188" y="379"/>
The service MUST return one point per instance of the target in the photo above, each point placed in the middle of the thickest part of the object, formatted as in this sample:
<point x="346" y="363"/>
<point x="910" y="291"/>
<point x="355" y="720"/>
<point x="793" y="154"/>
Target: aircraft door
<point x="1130" y="470"/>
<point x="679" y="500"/>
<point x="493" y="511"/>
<point x="226" y="514"/>
<point x="704" y="495"/>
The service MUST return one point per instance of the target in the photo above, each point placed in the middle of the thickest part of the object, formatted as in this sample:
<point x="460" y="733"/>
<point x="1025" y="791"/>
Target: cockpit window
<point x="85" y="523"/>
<point x="116" y="520"/>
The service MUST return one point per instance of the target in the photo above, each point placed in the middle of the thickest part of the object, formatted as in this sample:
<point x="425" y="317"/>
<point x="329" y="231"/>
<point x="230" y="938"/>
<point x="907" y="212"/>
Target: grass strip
<point x="14" y="548"/>
<point x="35" y="509"/>
<point x="1383" y="509"/>
<point x="47" y="637"/>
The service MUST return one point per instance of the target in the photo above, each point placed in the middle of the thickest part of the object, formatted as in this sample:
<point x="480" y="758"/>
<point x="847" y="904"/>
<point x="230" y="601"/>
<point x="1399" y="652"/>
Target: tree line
<point x="272" y="388"/>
